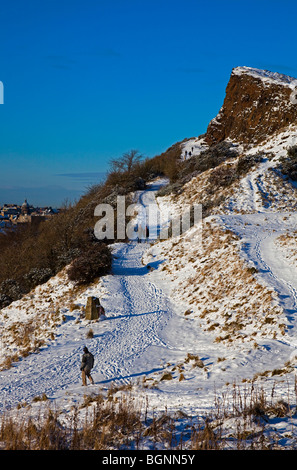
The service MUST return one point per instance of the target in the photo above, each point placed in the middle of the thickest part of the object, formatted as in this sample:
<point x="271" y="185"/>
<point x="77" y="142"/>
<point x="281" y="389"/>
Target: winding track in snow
<point x="258" y="226"/>
<point x="137" y="313"/>
<point x="143" y="313"/>
<point x="258" y="233"/>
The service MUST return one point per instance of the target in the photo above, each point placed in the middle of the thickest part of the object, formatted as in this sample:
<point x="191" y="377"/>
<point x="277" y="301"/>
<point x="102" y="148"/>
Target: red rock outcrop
<point x="257" y="103"/>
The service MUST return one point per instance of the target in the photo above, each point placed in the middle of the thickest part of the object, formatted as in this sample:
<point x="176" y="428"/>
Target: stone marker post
<point x="93" y="308"/>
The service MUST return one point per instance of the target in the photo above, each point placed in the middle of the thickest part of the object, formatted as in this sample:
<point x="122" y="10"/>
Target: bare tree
<point x="127" y="162"/>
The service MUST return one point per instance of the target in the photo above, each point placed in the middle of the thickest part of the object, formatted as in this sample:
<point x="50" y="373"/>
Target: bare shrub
<point x="90" y="334"/>
<point x="119" y="421"/>
<point x="288" y="164"/>
<point x="92" y="263"/>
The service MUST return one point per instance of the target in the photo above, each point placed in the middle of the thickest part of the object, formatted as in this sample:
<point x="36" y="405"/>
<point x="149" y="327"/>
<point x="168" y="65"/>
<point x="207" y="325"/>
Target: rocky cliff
<point x="257" y="103"/>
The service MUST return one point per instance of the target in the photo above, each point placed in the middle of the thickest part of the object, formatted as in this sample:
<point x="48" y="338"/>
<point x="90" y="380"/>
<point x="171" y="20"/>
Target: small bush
<point x="37" y="276"/>
<point x="94" y="262"/>
<point x="289" y="163"/>
<point x="10" y="290"/>
<point x="5" y="300"/>
<point x="166" y="376"/>
<point x="215" y="155"/>
<point x="222" y="176"/>
<point x="246" y="162"/>
<point x="90" y="334"/>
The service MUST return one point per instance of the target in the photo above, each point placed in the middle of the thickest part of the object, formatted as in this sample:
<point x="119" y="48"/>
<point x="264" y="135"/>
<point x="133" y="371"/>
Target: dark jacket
<point x="87" y="361"/>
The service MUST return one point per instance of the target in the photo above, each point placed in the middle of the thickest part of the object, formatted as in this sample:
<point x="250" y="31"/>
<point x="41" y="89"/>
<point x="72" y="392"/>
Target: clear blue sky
<point x="85" y="81"/>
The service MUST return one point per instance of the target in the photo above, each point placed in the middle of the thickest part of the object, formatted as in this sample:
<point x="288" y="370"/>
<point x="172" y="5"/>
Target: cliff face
<point x="257" y="103"/>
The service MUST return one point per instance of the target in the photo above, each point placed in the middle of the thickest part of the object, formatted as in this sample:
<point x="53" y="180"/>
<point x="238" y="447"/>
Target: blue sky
<point x="86" y="81"/>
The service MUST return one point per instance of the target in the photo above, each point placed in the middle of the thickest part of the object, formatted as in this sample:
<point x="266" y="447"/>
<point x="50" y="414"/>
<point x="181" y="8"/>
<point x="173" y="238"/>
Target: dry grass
<point x="221" y="289"/>
<point x="219" y="189"/>
<point x="120" y="421"/>
<point x="41" y="312"/>
<point x="288" y="243"/>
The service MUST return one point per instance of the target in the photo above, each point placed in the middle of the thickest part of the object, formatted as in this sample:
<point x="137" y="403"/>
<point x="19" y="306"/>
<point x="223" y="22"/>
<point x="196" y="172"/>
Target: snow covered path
<point x="145" y="334"/>
<point x="137" y="312"/>
<point x="258" y="233"/>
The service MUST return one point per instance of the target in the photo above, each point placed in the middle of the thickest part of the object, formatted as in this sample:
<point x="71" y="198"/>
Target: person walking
<point x="87" y="363"/>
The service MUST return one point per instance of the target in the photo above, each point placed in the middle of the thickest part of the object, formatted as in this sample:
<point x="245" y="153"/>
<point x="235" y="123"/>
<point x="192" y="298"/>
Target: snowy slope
<point x="132" y="341"/>
<point x="265" y="189"/>
<point x="193" y="147"/>
<point x="208" y="315"/>
<point x="260" y="211"/>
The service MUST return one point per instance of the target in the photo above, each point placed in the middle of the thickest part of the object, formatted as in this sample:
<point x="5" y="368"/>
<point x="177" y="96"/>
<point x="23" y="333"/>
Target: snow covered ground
<point x="193" y="147"/>
<point x="168" y="305"/>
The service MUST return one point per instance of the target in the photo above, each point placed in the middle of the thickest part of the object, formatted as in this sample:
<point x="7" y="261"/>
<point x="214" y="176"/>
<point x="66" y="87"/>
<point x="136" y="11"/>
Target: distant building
<point x="9" y="211"/>
<point x="11" y="214"/>
<point x="25" y="210"/>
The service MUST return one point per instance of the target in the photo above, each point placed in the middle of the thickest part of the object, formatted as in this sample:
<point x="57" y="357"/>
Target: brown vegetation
<point x="31" y="254"/>
<point x="120" y="421"/>
<point x="288" y="164"/>
<point x="222" y="290"/>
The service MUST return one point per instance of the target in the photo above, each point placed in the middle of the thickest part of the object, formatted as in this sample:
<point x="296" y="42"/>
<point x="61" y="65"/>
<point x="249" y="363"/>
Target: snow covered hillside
<point x="184" y="321"/>
<point x="187" y="318"/>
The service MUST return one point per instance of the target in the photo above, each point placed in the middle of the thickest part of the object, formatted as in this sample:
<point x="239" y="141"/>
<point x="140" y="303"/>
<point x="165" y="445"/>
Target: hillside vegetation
<point x="199" y="331"/>
<point x="30" y="254"/>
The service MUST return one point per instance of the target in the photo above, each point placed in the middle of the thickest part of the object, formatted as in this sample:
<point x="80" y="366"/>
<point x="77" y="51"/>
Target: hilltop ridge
<point x="266" y="76"/>
<point x="257" y="104"/>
